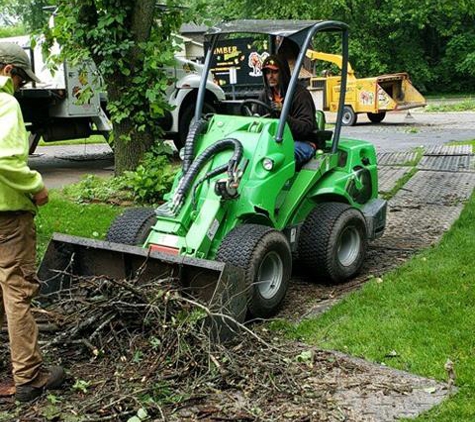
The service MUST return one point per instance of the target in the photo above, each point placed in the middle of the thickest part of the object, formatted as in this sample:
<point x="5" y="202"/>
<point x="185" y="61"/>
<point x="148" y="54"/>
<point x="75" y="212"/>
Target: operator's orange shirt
<point x="276" y="97"/>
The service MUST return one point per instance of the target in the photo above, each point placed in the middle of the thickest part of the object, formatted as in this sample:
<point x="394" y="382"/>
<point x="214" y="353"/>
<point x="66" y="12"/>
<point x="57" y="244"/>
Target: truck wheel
<point x="349" y="116"/>
<point x="132" y="227"/>
<point x="333" y="241"/>
<point x="185" y="121"/>
<point x="376" y="117"/>
<point x="264" y="254"/>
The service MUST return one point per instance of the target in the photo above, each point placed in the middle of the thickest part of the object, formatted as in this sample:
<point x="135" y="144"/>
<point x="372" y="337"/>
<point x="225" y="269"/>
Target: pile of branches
<point x="145" y="351"/>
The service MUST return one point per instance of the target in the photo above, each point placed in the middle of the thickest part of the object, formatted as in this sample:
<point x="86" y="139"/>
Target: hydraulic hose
<point x="187" y="181"/>
<point x="195" y="129"/>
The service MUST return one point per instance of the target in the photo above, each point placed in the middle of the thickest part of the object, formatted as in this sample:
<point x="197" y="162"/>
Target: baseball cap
<point x="11" y="53"/>
<point x="270" y="63"/>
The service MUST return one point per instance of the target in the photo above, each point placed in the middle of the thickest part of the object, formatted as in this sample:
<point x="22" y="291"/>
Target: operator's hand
<point x="41" y="198"/>
<point x="276" y="108"/>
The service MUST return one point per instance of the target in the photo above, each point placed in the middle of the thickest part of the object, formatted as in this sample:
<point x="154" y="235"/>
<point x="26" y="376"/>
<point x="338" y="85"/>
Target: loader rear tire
<point x="265" y="256"/>
<point x="333" y="241"/>
<point x="376" y="117"/>
<point x="132" y="227"/>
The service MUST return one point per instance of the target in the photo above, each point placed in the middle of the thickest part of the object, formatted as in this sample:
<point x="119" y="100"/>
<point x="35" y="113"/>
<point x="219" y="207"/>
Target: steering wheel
<point x="246" y="110"/>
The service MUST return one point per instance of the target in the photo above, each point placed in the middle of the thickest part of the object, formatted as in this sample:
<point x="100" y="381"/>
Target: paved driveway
<point x="66" y="164"/>
<point x="402" y="131"/>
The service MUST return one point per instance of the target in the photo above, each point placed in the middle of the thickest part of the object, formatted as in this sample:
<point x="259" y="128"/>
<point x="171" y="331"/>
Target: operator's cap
<point x="270" y="63"/>
<point x="11" y="53"/>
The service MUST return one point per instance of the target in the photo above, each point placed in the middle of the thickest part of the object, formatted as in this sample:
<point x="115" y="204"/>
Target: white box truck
<point x="53" y="111"/>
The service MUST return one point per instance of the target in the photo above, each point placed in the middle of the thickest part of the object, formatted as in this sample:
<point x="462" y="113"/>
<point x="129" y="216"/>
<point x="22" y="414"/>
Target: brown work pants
<point x="18" y="286"/>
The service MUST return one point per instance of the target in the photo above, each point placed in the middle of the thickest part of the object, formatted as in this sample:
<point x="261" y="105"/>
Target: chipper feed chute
<point x="217" y="285"/>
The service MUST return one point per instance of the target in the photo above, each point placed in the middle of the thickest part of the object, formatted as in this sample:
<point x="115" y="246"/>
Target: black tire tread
<point x="129" y="227"/>
<point x="316" y="237"/>
<point x="238" y="248"/>
<point x="376" y="117"/>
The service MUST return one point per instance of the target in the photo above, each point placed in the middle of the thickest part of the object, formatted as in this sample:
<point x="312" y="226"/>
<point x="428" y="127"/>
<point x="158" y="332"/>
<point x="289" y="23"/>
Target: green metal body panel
<point x="279" y="198"/>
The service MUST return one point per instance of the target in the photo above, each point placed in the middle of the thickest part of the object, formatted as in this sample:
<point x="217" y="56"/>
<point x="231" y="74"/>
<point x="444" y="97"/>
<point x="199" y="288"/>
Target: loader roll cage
<point x="302" y="33"/>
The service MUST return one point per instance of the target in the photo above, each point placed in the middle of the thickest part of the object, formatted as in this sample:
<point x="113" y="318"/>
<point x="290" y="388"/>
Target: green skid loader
<point x="239" y="212"/>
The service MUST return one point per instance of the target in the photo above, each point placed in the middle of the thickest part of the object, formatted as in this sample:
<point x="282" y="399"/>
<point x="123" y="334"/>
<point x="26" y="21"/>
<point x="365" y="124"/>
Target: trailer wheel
<point x="333" y="241"/>
<point x="264" y="254"/>
<point x="185" y="121"/>
<point x="132" y="227"/>
<point x="349" y="116"/>
<point x="376" y="117"/>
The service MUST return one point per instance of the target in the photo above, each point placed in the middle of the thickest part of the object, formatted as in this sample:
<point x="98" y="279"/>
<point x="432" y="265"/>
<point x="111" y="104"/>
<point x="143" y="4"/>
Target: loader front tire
<point x="265" y="256"/>
<point x="132" y="227"/>
<point x="376" y="117"/>
<point x="349" y="116"/>
<point x="333" y="241"/>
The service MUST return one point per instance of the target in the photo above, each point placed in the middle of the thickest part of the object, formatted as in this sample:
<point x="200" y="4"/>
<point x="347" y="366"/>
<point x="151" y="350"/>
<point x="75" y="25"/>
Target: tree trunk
<point x="128" y="153"/>
<point x="129" y="143"/>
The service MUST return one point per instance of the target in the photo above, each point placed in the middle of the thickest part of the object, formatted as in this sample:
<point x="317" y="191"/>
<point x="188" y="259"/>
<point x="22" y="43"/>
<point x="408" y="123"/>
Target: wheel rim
<point x="269" y="275"/>
<point x="349" y="246"/>
<point x="346" y="117"/>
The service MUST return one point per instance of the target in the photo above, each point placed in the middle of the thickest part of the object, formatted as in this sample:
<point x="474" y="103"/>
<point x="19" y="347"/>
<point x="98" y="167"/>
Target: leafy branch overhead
<point x="434" y="40"/>
<point x="131" y="43"/>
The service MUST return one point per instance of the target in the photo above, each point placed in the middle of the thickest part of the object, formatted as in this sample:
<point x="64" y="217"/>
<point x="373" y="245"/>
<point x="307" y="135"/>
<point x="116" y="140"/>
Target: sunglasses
<point x="22" y="75"/>
<point x="274" y="72"/>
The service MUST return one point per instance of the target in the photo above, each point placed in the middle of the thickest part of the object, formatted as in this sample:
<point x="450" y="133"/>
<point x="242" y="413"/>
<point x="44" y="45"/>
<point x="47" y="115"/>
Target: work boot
<point x="27" y="392"/>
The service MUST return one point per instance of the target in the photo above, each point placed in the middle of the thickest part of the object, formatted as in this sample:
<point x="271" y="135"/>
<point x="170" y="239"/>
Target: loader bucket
<point x="217" y="285"/>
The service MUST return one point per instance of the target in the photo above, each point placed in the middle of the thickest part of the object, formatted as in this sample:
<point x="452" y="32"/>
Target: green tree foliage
<point x="431" y="40"/>
<point x="131" y="44"/>
<point x="29" y="13"/>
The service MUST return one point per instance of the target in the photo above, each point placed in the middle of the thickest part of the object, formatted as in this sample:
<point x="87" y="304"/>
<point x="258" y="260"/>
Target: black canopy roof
<point x="295" y="29"/>
<point x="284" y="28"/>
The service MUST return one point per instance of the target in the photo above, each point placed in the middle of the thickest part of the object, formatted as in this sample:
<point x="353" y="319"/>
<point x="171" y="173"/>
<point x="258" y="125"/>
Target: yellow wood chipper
<point x="374" y="96"/>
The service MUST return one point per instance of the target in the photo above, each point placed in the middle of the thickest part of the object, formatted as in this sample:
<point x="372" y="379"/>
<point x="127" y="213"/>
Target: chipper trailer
<point x="240" y="212"/>
<point x="374" y="96"/>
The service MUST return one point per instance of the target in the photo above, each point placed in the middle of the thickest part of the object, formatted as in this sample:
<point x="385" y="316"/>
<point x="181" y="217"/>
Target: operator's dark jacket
<point x="301" y="118"/>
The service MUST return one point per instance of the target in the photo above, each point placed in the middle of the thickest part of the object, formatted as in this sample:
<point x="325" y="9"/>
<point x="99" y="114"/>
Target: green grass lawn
<point x="424" y="311"/>
<point x="464" y="105"/>
<point x="63" y="216"/>
<point x="472" y="143"/>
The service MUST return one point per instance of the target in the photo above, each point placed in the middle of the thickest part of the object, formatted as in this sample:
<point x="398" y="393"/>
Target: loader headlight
<point x="181" y="154"/>
<point x="268" y="164"/>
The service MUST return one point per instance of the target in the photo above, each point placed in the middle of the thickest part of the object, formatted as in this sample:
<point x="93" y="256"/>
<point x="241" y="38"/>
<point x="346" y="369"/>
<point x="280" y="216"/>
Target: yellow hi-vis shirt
<point x="17" y="181"/>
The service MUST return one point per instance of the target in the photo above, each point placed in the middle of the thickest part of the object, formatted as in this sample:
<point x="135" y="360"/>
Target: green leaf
<point x="142" y="414"/>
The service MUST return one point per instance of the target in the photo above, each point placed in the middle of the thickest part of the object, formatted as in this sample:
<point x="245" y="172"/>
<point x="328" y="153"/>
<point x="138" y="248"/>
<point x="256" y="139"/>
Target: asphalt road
<point x="400" y="131"/>
<point x="65" y="164"/>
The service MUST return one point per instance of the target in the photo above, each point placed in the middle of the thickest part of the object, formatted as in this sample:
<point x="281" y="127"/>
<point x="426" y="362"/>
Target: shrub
<point x="146" y="185"/>
<point x="154" y="176"/>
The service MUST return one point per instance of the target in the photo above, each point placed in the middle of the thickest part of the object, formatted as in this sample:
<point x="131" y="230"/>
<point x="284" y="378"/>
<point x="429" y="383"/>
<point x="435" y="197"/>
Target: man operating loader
<point x="21" y="192"/>
<point x="301" y="118"/>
